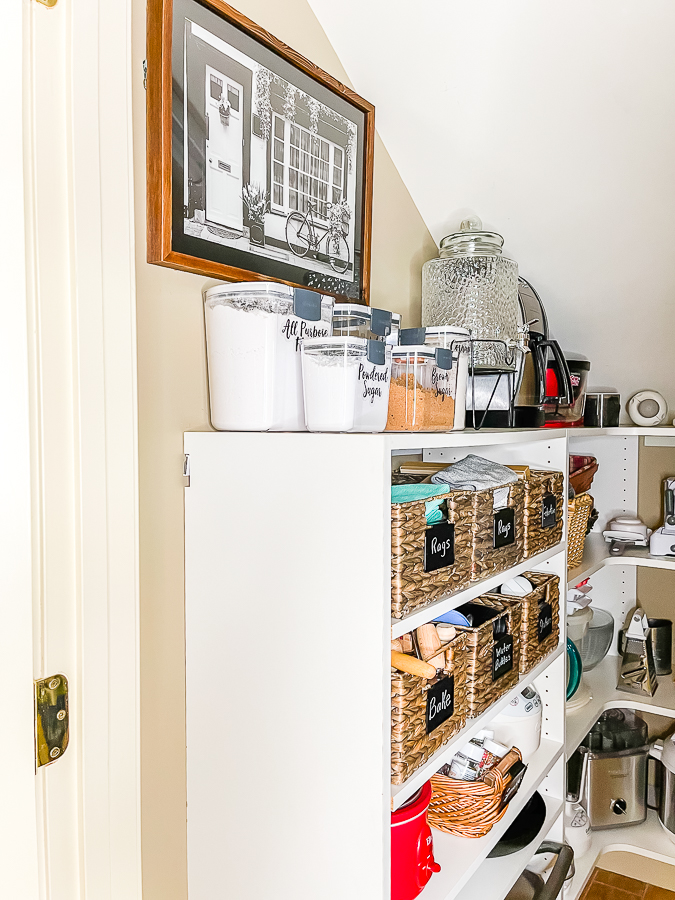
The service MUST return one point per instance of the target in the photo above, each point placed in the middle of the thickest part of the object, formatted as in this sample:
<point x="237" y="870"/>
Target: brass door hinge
<point x="51" y="719"/>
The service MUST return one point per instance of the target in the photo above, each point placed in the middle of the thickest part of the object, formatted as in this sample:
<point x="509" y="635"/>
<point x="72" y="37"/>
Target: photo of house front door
<point x="224" y="150"/>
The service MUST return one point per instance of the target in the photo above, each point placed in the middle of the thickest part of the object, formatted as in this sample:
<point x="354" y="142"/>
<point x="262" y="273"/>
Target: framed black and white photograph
<point x="259" y="163"/>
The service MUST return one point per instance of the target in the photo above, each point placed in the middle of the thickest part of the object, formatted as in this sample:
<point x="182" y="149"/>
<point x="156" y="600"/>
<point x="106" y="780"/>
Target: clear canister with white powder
<point x="346" y="384"/>
<point x="254" y="332"/>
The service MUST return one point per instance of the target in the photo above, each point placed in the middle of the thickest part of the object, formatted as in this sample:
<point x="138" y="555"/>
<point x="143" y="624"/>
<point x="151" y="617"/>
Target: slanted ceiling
<point x="555" y="122"/>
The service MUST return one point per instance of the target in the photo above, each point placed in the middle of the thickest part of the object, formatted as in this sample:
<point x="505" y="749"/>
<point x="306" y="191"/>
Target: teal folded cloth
<point x="405" y="493"/>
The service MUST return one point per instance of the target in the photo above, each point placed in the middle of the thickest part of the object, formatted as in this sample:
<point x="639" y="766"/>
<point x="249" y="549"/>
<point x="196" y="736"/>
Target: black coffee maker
<point x="531" y="392"/>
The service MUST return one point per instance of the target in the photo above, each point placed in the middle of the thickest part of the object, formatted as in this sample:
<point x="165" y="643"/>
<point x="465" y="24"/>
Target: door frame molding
<point x="81" y="262"/>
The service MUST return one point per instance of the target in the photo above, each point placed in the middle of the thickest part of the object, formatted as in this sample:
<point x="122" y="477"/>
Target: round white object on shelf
<point x="647" y="408"/>
<point x="515" y="587"/>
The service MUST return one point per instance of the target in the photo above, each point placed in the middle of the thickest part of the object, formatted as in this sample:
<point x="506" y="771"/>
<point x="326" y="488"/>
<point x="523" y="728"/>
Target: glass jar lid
<point x="471" y="240"/>
<point x="351" y="309"/>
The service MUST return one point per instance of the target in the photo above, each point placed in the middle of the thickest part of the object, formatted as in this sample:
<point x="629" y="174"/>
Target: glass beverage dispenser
<point x="473" y="285"/>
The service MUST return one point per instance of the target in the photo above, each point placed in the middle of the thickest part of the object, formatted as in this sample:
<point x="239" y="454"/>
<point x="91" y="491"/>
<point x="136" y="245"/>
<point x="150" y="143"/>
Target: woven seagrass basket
<point x="411" y="586"/>
<point x="411" y="744"/>
<point x="486" y="559"/>
<point x="469" y="808"/>
<point x="485" y="683"/>
<point x="578" y="512"/>
<point x="540" y="619"/>
<point x="539" y="487"/>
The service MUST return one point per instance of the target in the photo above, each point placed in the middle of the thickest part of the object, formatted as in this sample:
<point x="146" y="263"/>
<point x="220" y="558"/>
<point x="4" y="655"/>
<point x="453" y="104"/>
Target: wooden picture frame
<point x="300" y="179"/>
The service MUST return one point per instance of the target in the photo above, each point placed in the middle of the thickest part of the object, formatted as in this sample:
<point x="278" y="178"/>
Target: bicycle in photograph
<point x="303" y="235"/>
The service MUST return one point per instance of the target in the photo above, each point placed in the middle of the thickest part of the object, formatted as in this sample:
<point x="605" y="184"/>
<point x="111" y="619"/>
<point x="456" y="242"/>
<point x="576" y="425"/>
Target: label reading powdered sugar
<point x="374" y="381"/>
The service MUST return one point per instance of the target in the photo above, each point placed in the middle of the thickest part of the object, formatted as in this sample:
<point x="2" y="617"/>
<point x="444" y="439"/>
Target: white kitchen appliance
<point x="662" y="541"/>
<point x="626" y="531"/>
<point x="519" y="723"/>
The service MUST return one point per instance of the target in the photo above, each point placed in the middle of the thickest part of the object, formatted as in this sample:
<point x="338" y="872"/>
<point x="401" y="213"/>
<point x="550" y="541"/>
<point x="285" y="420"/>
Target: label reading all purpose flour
<point x="374" y="380"/>
<point x="295" y="329"/>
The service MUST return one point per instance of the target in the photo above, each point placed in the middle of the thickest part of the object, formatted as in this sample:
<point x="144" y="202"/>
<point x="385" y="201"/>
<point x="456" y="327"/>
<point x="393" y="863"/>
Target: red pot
<point x="412" y="847"/>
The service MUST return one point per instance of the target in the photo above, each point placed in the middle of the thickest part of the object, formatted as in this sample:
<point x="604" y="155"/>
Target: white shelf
<point x="401" y="792"/>
<point x="648" y="839"/>
<point x="602" y="682"/>
<point x="459" y="858"/>
<point x="475" y="589"/>
<point x="495" y="877"/>
<point x="596" y="556"/>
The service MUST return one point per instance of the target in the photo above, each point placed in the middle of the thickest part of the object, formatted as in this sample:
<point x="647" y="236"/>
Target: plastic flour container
<point x="346" y="384"/>
<point x="254" y="332"/>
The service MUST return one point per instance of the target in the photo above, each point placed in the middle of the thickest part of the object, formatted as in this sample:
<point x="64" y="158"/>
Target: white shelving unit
<point x="288" y="631"/>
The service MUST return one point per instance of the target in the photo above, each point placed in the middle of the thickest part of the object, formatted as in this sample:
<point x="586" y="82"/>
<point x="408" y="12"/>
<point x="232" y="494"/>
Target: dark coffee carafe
<point x="531" y="393"/>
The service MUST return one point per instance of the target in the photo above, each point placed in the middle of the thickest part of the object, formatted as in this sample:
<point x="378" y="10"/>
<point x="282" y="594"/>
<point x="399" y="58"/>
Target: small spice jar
<point x="346" y="384"/>
<point x="422" y="391"/>
<point x="355" y="320"/>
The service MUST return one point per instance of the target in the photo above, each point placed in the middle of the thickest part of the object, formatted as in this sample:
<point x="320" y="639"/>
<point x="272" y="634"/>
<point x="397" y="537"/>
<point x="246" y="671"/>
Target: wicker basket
<point x="578" y="511"/>
<point x="469" y="808"/>
<point x="581" y="478"/>
<point x="540" y="619"/>
<point x="411" y="586"/>
<point x="486" y="559"/>
<point x="411" y="745"/>
<point x="485" y="683"/>
<point x="543" y="528"/>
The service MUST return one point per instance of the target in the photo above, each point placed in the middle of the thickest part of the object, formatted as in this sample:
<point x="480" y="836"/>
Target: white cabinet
<point x="288" y="635"/>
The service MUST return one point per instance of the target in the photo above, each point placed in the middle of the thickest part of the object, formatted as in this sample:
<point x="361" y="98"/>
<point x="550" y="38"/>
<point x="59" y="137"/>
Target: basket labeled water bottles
<point x="492" y="630"/>
<point x="428" y="700"/>
<point x="538" y="595"/>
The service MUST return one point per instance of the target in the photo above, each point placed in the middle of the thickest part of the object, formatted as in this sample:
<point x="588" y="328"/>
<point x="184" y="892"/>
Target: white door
<point x="68" y="529"/>
<point x="224" y="150"/>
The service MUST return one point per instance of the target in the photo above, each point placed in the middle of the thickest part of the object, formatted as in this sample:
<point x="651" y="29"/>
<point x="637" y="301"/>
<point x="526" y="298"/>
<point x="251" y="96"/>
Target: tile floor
<point x="609" y="886"/>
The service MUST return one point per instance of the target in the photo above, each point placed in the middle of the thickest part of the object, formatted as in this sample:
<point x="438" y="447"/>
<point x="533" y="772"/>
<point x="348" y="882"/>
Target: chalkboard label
<point x="439" y="546"/>
<point x="517" y="773"/>
<point x="544" y="622"/>
<point x="440" y="702"/>
<point x="505" y="527"/>
<point x="502" y="656"/>
<point x="549" y="511"/>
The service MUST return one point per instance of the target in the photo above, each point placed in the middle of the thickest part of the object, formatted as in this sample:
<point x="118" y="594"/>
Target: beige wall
<point x="655" y="587"/>
<point x="173" y="399"/>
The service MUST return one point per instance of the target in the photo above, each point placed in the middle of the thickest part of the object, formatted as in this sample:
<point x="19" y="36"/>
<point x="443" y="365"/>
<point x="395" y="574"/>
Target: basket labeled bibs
<point x="470" y="808"/>
<point x="431" y="542"/>
<point x="428" y="703"/>
<point x="492" y="649"/>
<point x="539" y="618"/>
<point x="544" y="505"/>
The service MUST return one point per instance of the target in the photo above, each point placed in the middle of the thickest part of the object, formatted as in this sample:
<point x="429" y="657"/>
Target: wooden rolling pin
<point x="428" y="640"/>
<point x="412" y="665"/>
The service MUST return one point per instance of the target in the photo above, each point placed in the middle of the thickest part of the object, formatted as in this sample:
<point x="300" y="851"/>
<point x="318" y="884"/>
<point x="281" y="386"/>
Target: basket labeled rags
<point x="428" y="707"/>
<point x="498" y="529"/>
<point x="540" y="618"/>
<point x="578" y="513"/>
<point x="544" y="505"/>
<point x="429" y="561"/>
<point x="470" y="808"/>
<point x="492" y="649"/>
